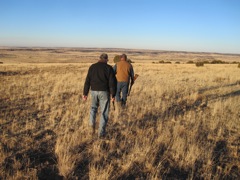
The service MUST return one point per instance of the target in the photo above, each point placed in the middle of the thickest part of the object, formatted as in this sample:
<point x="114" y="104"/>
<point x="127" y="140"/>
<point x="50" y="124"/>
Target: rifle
<point x="134" y="79"/>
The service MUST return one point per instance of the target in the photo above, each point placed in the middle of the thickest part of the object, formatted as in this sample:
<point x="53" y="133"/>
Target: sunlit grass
<point x="181" y="121"/>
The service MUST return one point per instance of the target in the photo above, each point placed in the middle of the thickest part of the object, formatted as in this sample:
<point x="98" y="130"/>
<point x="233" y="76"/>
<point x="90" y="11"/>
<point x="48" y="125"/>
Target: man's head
<point x="104" y="57"/>
<point x="123" y="57"/>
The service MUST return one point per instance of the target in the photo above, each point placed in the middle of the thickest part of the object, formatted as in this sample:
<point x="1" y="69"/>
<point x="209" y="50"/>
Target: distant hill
<point x="83" y="55"/>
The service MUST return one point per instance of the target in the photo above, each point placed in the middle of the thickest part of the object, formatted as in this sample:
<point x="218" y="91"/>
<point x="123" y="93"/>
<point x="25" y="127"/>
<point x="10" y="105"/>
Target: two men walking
<point x="105" y="83"/>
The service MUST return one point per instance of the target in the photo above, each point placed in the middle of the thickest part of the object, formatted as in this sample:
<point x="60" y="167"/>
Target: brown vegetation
<point x="83" y="55"/>
<point x="198" y="64"/>
<point x="182" y="122"/>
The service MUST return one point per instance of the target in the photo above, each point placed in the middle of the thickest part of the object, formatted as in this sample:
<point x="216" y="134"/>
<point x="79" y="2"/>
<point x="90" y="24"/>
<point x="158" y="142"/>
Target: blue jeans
<point x="101" y="98"/>
<point x="122" y="87"/>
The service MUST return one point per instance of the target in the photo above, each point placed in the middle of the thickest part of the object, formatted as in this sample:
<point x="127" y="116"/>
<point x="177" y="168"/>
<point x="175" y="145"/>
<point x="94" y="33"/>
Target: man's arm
<point x="112" y="83"/>
<point x="115" y="69"/>
<point x="87" y="85"/>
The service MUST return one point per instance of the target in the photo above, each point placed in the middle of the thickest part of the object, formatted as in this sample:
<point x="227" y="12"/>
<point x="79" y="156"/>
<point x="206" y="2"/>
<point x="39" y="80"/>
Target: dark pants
<point x="122" y="92"/>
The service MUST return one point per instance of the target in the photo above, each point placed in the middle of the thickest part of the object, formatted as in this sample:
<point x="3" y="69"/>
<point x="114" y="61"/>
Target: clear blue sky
<point x="182" y="25"/>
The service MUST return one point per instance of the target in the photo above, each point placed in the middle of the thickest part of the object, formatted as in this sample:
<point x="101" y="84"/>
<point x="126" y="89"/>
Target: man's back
<point x="100" y="77"/>
<point x="123" y="69"/>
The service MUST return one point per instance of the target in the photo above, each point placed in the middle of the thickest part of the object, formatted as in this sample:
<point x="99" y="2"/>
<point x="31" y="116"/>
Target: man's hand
<point x="84" y="98"/>
<point x="113" y="99"/>
<point x="132" y="82"/>
<point x="113" y="102"/>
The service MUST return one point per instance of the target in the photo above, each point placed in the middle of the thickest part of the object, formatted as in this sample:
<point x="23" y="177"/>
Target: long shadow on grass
<point x="124" y="145"/>
<point x="137" y="170"/>
<point x="82" y="166"/>
<point x="220" y="156"/>
<point x="183" y="106"/>
<point x="39" y="156"/>
<point x="21" y="111"/>
<point x="14" y="73"/>
<point x="202" y="90"/>
<point x="220" y="152"/>
<point x="199" y="104"/>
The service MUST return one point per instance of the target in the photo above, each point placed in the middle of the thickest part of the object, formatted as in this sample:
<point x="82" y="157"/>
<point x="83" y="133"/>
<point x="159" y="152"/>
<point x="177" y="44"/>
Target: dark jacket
<point x="100" y="77"/>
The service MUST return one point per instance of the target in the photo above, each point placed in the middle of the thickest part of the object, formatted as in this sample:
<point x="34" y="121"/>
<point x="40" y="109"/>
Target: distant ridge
<point x="126" y="50"/>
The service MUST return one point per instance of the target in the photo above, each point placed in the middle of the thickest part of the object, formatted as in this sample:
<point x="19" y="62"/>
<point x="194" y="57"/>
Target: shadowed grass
<point x="181" y="122"/>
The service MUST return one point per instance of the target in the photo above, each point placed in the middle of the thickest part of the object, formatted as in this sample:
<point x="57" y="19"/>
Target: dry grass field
<point x="181" y="121"/>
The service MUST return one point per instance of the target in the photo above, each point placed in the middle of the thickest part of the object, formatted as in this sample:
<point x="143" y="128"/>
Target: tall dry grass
<point x="182" y="122"/>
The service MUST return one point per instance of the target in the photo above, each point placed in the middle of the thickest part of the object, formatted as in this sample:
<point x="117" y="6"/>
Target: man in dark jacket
<point x="102" y="81"/>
